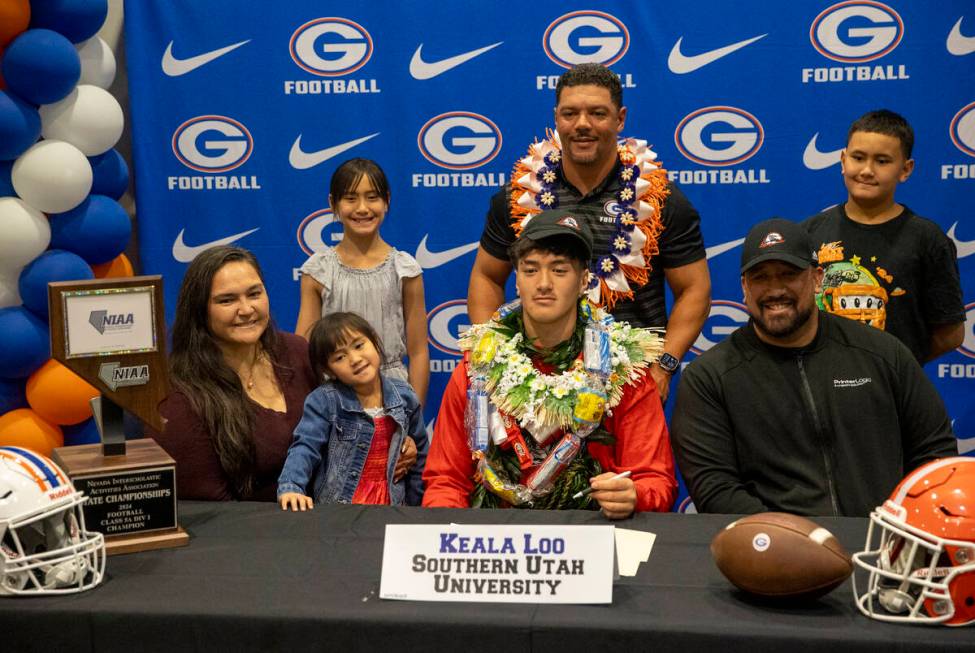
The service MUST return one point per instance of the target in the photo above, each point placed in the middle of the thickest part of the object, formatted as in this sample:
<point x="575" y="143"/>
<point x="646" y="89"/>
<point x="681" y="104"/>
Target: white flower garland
<point x="540" y="401"/>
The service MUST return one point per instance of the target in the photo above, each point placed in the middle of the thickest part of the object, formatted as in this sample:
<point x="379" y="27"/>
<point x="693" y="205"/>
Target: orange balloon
<point x="59" y="395"/>
<point x="120" y="266"/>
<point x="25" y="428"/>
<point x="14" y="19"/>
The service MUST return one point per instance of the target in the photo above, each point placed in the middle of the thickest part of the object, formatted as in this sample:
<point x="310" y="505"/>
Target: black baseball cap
<point x="777" y="239"/>
<point x="559" y="222"/>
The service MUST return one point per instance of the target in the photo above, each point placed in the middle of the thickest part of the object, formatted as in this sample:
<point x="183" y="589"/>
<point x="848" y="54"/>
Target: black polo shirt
<point x="680" y="243"/>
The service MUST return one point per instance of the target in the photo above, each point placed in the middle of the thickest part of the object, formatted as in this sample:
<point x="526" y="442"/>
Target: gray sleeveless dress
<point x="375" y="293"/>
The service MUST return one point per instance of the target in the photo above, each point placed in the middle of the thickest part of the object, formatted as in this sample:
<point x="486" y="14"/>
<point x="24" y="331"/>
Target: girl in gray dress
<point x="364" y="274"/>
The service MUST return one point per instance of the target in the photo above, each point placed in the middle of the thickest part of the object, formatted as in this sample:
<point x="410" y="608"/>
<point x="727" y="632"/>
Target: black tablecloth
<point x="256" y="578"/>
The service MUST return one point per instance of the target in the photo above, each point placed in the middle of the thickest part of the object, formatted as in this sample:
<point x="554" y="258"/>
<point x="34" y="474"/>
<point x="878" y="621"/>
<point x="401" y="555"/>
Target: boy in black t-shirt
<point x="884" y="265"/>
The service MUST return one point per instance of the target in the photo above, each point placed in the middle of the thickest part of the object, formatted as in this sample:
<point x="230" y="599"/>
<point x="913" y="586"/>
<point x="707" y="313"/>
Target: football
<point x="779" y="555"/>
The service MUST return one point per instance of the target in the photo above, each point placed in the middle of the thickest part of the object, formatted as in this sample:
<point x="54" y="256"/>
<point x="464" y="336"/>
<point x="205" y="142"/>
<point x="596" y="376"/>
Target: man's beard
<point x="783" y="327"/>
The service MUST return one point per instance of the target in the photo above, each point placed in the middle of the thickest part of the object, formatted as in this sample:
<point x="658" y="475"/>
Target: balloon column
<point x="60" y="181"/>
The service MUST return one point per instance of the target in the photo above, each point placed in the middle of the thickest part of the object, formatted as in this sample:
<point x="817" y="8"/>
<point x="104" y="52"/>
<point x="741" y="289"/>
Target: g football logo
<point x="962" y="130"/>
<point x="445" y="323"/>
<point x="719" y="136"/>
<point x="724" y="318"/>
<point x="968" y="344"/>
<point x="584" y="37"/>
<point x="212" y="144"/>
<point x="856" y="31"/>
<point x="331" y="47"/>
<point x="311" y="232"/>
<point x="459" y="140"/>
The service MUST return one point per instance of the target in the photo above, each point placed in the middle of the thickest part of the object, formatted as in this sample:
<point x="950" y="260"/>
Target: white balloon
<point x="26" y="233"/>
<point x="9" y="294"/>
<point x="89" y="118"/>
<point x="52" y="176"/>
<point x="97" y="63"/>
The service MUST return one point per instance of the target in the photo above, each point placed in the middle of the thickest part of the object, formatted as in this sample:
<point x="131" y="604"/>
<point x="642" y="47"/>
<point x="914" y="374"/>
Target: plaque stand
<point x="109" y="418"/>
<point x="111" y="333"/>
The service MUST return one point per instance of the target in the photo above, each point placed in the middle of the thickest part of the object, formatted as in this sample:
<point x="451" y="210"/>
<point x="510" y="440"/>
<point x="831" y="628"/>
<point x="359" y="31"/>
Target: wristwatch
<point x="668" y="363"/>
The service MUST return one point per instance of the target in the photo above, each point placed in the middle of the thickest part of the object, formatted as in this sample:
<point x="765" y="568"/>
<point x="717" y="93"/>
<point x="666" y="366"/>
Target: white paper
<point x="632" y="548"/>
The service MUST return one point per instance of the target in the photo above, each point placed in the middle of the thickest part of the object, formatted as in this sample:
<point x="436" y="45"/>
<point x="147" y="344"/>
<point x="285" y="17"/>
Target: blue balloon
<point x="110" y="174"/>
<point x="76" y="19"/>
<point x="97" y="230"/>
<point x="24" y="343"/>
<point x="12" y="395"/>
<point x="20" y="126"/>
<point x="6" y="186"/>
<point x="41" y="66"/>
<point x="82" y="433"/>
<point x="52" y="265"/>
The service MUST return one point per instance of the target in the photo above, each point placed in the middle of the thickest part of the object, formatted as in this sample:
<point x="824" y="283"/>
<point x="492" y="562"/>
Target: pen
<point x="589" y="490"/>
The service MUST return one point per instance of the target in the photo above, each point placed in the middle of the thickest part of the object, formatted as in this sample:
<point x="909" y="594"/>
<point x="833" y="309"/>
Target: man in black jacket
<point x="801" y="411"/>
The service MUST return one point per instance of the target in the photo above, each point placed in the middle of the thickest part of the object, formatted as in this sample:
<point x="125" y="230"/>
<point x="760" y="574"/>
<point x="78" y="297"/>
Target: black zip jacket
<point x="829" y="429"/>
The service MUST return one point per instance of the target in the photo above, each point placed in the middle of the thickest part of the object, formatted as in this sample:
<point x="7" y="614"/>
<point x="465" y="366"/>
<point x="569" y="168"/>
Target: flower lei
<point x="543" y="402"/>
<point x="643" y="189"/>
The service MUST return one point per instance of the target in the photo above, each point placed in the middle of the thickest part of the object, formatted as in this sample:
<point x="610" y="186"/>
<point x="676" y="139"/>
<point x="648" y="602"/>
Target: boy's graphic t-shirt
<point x="900" y="276"/>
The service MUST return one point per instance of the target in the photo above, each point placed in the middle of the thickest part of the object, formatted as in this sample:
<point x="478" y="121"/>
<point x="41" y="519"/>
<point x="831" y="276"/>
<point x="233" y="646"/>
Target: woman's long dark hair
<point x="198" y="370"/>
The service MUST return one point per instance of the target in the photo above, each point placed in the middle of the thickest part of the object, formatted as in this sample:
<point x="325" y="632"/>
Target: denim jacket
<point x="332" y="440"/>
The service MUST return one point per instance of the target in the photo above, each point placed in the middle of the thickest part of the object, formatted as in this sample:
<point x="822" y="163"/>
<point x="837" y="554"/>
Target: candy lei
<point x="643" y="189"/>
<point x="574" y="400"/>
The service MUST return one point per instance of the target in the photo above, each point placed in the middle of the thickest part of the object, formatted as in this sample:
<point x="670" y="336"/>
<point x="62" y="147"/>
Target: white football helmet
<point x="920" y="549"/>
<point x="44" y="547"/>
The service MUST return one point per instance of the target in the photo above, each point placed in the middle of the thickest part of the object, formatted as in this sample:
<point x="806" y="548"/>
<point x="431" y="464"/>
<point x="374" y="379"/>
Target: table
<point x="257" y="578"/>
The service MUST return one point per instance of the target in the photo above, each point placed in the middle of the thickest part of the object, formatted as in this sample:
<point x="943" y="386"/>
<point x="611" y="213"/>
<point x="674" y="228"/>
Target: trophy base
<point x="119" y="544"/>
<point x="131" y="497"/>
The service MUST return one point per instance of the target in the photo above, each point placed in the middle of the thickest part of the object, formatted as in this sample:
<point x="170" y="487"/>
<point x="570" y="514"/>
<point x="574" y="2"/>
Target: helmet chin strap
<point x="66" y="574"/>
<point x="896" y="600"/>
<point x="61" y="531"/>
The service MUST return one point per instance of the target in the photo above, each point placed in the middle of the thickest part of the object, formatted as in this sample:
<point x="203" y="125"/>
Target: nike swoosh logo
<point x="813" y="159"/>
<point x="303" y="160"/>
<point x="421" y="69"/>
<point x="958" y="43"/>
<point x="964" y="247"/>
<point x="428" y="259"/>
<point x="681" y="64"/>
<point x="715" y="250"/>
<point x="185" y="253"/>
<point x="175" y="67"/>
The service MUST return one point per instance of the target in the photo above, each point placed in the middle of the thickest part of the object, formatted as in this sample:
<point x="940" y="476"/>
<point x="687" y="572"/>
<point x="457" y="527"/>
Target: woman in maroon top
<point x="238" y="384"/>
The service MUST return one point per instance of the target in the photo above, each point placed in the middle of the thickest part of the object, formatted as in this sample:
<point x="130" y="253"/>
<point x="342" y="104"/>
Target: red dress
<point x="373" y="488"/>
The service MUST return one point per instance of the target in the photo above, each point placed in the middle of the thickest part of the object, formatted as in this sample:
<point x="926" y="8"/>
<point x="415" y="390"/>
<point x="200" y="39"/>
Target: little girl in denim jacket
<point x="350" y="437"/>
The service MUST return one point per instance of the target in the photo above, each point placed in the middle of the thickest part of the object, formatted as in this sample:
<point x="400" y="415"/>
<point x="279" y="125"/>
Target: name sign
<point x="498" y="564"/>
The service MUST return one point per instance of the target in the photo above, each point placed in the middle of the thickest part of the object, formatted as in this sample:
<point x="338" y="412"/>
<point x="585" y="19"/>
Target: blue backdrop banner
<point x="241" y="112"/>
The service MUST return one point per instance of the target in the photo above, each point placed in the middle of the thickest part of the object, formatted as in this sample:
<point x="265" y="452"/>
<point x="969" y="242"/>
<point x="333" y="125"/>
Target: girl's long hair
<point x="198" y="370"/>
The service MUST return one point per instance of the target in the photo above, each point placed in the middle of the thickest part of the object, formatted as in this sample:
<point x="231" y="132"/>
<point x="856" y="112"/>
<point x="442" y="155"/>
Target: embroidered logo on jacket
<point x="851" y="383"/>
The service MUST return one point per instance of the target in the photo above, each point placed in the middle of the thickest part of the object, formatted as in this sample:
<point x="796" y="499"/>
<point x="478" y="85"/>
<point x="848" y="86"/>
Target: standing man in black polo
<point x="646" y="232"/>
